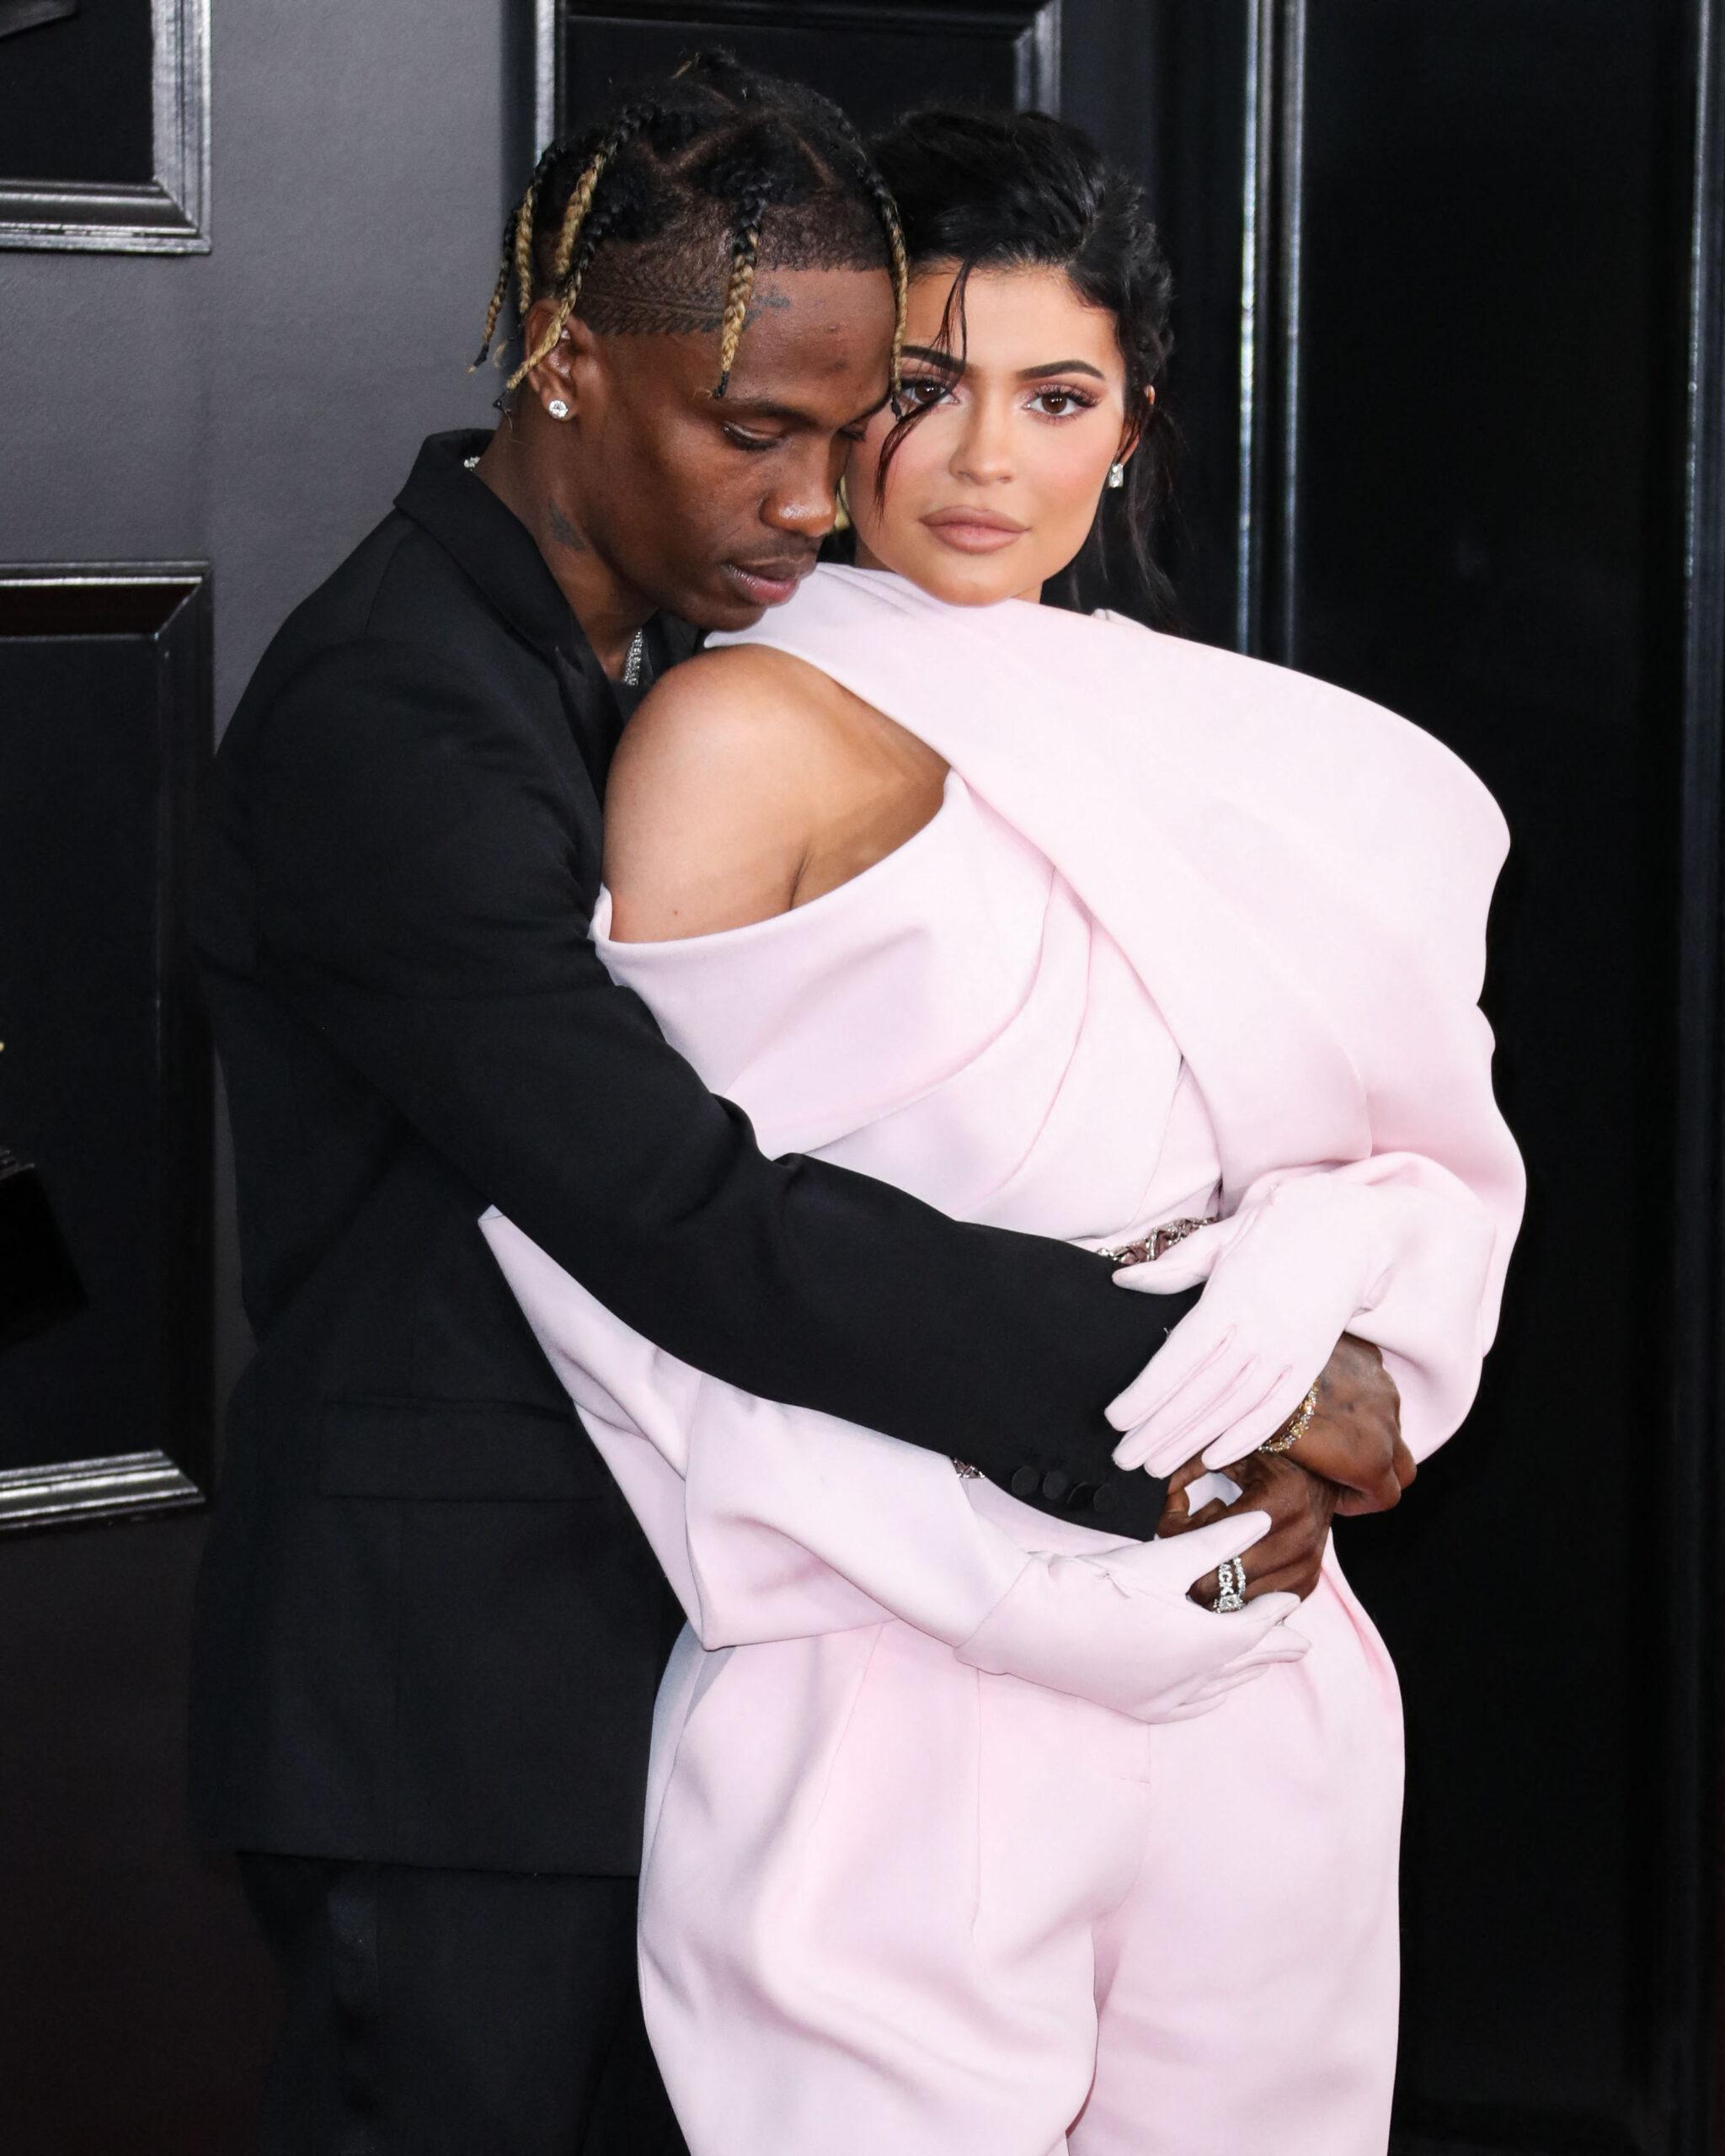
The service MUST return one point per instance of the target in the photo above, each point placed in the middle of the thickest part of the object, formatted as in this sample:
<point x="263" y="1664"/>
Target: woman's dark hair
<point x="681" y="172"/>
<point x="986" y="191"/>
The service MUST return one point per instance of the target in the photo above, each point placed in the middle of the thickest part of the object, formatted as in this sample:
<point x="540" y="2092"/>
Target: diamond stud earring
<point x="558" y="408"/>
<point x="1117" y="474"/>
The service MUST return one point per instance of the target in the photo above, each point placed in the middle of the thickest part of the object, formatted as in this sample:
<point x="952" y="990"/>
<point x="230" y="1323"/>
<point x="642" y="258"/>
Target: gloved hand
<point x="1287" y="1276"/>
<point x="1118" y="1630"/>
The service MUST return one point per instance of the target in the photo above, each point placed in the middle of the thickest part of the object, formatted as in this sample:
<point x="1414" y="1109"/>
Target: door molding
<point x="169" y="603"/>
<point x="1272" y="201"/>
<point x="1034" y="26"/>
<point x="169" y="213"/>
<point x="1686" y="2056"/>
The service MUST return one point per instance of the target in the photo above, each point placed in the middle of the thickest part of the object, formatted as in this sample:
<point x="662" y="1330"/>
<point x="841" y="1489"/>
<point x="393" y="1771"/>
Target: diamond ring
<point x="1231" y="1585"/>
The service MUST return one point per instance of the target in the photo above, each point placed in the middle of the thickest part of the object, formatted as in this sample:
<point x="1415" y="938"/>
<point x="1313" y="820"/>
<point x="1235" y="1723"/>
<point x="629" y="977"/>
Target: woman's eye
<point x="1060" y="403"/>
<point x="920" y="391"/>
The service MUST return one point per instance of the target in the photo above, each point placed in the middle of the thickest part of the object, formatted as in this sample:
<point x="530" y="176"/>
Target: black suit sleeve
<point x="423" y="900"/>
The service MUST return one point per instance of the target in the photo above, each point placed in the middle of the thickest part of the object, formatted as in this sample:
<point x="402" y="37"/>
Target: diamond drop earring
<point x="1117" y="474"/>
<point x="558" y="408"/>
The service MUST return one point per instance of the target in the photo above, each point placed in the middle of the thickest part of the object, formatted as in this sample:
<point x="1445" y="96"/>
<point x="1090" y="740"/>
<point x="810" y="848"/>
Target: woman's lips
<point x="768" y="583"/>
<point x="973" y="533"/>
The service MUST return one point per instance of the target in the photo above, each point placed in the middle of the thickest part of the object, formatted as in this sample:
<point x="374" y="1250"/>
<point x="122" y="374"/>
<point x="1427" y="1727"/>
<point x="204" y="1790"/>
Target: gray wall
<point x="258" y="407"/>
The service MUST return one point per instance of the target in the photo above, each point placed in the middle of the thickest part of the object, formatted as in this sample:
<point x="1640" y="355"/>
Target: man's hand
<point x="1299" y="1505"/>
<point x="1355" y="1439"/>
<point x="1350" y="1458"/>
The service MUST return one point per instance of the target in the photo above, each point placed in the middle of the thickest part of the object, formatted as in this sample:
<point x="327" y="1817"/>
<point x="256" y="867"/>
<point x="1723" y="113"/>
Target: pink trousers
<point x="894" y="1907"/>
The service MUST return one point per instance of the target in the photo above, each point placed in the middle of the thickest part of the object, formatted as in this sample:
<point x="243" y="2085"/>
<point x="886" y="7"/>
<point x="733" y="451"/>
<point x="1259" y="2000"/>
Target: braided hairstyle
<point x="1016" y="190"/>
<point x="717" y="160"/>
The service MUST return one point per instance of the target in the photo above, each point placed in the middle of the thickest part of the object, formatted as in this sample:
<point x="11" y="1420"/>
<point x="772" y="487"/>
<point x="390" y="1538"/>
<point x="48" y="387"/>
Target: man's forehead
<point x="645" y="297"/>
<point x="817" y="313"/>
<point x="808" y="336"/>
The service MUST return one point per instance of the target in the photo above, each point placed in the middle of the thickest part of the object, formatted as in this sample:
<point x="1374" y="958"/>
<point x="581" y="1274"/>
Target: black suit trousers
<point x="443" y="2013"/>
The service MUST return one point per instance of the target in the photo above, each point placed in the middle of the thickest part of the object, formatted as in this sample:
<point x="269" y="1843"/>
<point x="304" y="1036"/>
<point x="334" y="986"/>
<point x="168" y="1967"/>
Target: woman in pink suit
<point x="963" y="1838"/>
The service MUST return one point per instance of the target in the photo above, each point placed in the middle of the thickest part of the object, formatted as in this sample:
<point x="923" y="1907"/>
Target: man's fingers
<point x="1299" y="1577"/>
<point x="1287" y="1564"/>
<point x="1290" y="1571"/>
<point x="1183" y="1476"/>
<point x="1287" y="1556"/>
<point x="1204" y="1547"/>
<point x="1382" y="1497"/>
<point x="1205" y="1516"/>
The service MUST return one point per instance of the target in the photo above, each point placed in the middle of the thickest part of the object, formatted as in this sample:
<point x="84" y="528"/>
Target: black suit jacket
<point x="428" y="1629"/>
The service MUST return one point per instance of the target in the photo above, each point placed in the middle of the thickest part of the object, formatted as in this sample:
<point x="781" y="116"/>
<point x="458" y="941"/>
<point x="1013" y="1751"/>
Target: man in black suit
<point x="428" y="1632"/>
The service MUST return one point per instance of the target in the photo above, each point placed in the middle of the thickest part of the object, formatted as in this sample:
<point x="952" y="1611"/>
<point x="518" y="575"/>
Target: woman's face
<point x="994" y="489"/>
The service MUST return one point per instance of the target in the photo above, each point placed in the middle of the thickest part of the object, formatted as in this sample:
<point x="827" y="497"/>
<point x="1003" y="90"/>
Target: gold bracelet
<point x="1295" y="1428"/>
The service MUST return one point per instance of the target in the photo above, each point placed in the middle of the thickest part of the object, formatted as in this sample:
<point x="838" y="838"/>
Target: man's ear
<point x="566" y="369"/>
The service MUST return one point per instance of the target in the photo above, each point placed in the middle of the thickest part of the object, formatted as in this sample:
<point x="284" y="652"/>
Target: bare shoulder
<point x="723" y="713"/>
<point x="717" y="791"/>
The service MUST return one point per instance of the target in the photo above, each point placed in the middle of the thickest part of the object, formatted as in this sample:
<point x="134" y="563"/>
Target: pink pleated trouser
<point x="893" y="1906"/>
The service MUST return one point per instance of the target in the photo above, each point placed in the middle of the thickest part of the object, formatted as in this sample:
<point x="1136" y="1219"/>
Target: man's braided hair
<point x="716" y="162"/>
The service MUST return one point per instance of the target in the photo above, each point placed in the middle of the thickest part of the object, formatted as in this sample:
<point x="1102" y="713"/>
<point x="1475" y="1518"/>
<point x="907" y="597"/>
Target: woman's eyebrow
<point x="1061" y="367"/>
<point x="930" y="356"/>
<point x="948" y="364"/>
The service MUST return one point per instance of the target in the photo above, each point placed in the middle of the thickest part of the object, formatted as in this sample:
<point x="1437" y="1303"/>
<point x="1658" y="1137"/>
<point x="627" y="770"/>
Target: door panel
<point x="873" y="60"/>
<point x="104" y="728"/>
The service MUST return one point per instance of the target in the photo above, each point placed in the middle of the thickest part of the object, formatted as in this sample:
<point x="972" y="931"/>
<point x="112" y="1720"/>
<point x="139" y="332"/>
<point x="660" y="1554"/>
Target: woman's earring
<point x="558" y="408"/>
<point x="1117" y="473"/>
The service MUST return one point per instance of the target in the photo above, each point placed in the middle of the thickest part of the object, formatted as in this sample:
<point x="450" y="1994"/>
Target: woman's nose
<point x="984" y="451"/>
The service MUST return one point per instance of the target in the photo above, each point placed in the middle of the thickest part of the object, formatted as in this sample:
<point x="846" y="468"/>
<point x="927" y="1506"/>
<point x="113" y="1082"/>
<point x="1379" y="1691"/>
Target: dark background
<point x="1449" y="375"/>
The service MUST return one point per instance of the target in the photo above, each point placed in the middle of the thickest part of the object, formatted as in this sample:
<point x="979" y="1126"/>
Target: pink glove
<point x="1119" y="1631"/>
<point x="1287" y="1275"/>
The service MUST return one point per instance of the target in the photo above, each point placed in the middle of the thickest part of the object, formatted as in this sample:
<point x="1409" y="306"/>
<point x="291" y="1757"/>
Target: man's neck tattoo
<point x="563" y="531"/>
<point x="651" y="307"/>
